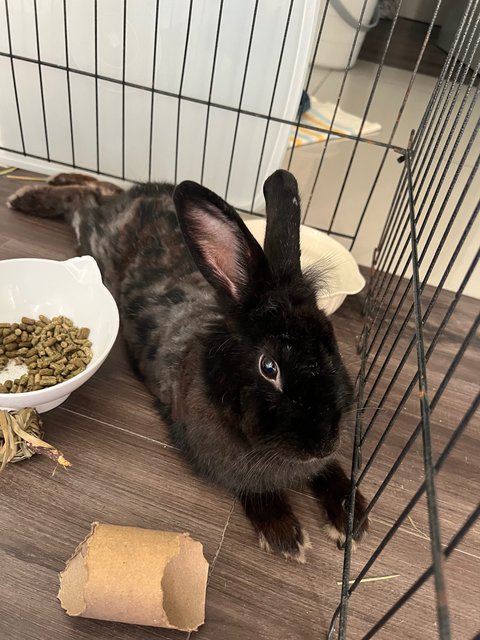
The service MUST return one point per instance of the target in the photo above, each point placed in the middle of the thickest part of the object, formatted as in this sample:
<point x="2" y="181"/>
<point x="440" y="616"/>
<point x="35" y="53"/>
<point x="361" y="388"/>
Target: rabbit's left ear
<point x="222" y="247"/>
<point x="282" y="237"/>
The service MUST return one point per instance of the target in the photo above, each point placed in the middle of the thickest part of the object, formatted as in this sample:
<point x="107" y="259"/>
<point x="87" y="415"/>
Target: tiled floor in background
<point x="126" y="472"/>
<point x="362" y="162"/>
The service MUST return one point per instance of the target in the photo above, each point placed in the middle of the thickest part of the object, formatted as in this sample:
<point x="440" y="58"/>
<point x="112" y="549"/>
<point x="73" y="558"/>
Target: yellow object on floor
<point x="6" y="170"/>
<point x="321" y="114"/>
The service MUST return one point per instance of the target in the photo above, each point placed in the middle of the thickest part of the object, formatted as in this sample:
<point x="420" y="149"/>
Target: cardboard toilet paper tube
<point x="140" y="576"/>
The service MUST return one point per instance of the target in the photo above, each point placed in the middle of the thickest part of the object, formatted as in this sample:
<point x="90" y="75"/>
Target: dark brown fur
<point x="196" y="328"/>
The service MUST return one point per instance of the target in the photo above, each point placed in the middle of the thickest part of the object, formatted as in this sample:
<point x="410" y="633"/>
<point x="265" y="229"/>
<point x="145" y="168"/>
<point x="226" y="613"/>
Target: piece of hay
<point x="372" y="579"/>
<point x="27" y="178"/>
<point x="20" y="438"/>
<point x="417" y="529"/>
<point x="7" y="170"/>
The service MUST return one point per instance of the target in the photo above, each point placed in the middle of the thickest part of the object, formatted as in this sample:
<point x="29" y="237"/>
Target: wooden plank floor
<point x="126" y="472"/>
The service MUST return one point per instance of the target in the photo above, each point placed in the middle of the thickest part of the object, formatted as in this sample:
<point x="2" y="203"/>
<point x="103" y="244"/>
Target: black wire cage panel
<point x="405" y="361"/>
<point x="210" y="90"/>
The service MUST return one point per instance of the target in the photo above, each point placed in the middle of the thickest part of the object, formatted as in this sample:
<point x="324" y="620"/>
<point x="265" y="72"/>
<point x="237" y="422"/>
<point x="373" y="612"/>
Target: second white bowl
<point x="340" y="273"/>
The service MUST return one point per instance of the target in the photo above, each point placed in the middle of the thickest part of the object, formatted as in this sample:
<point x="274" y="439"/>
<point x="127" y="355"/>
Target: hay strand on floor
<point x="373" y="579"/>
<point x="20" y="438"/>
<point x="27" y="178"/>
<point x="7" y="170"/>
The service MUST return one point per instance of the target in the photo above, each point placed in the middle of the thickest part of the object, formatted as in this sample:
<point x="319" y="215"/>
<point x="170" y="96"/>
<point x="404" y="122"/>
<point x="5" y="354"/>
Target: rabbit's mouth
<point x="305" y="457"/>
<point x="327" y="449"/>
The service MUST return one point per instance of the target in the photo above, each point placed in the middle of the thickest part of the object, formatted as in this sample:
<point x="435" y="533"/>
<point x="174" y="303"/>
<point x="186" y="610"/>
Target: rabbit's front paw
<point x="287" y="539"/>
<point x="338" y="517"/>
<point x="279" y="530"/>
<point x="332" y="488"/>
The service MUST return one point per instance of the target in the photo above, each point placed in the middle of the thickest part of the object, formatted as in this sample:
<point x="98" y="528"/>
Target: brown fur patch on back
<point x="79" y="179"/>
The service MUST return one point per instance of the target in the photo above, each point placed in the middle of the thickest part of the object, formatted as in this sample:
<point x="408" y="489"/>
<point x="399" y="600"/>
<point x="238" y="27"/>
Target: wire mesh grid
<point x="430" y="194"/>
<point x="428" y="234"/>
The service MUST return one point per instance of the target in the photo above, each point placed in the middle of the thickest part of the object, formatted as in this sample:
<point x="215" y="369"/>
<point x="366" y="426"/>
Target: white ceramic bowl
<point x="341" y="275"/>
<point x="74" y="288"/>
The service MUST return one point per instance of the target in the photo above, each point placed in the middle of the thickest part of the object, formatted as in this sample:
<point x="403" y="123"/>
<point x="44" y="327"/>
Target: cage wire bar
<point x="434" y="188"/>
<point x="268" y="117"/>
<point x="407" y="221"/>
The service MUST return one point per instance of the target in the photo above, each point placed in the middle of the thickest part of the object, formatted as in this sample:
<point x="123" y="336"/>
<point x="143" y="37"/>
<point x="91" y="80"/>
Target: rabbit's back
<point x="164" y="300"/>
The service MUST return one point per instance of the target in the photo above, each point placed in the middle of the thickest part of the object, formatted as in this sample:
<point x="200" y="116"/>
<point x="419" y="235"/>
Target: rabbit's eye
<point x="268" y="368"/>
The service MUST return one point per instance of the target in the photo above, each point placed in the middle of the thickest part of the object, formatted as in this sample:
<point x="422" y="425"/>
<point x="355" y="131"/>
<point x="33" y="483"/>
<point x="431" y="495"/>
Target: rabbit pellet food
<point x="52" y="350"/>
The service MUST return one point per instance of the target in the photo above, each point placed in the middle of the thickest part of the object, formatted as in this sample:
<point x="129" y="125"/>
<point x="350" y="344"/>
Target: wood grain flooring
<point x="126" y="472"/>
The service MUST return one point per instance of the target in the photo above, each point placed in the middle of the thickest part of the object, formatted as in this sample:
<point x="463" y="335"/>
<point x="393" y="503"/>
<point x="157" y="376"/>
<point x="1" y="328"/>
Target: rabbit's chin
<point x="309" y="458"/>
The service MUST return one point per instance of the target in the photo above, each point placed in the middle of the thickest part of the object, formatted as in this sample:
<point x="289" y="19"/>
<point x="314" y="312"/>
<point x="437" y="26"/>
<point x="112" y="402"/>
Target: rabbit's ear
<point x="282" y="237"/>
<point x="222" y="247"/>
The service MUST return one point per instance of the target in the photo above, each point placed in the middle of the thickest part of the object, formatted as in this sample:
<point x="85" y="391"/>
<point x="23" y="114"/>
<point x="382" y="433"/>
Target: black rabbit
<point x="228" y="336"/>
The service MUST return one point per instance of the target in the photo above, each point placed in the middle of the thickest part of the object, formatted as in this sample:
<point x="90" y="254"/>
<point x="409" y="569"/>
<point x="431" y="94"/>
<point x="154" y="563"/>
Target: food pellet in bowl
<point x="36" y="354"/>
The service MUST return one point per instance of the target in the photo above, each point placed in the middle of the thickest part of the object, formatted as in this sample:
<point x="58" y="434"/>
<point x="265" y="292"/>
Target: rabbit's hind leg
<point x="49" y="202"/>
<point x="69" y="179"/>
<point x="81" y="180"/>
